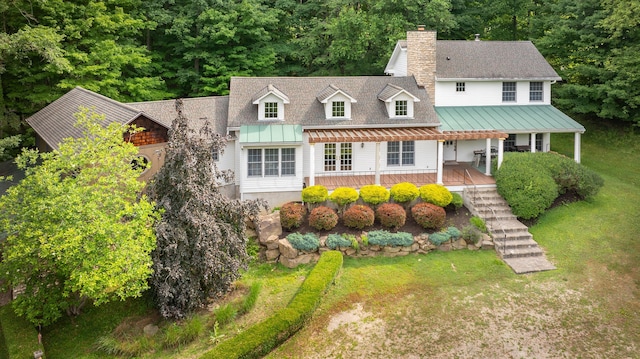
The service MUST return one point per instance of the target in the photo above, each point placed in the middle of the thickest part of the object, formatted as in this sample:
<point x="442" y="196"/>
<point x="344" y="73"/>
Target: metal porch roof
<point x="270" y="133"/>
<point x="510" y="119"/>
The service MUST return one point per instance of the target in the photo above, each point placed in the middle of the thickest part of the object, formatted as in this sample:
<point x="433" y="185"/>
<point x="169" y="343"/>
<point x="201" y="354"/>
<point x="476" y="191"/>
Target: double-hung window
<point x="508" y="92"/>
<point x="271" y="162"/>
<point x="337" y="109"/>
<point x="334" y="152"/>
<point x="401" y="108"/>
<point x="535" y="91"/>
<point x="401" y="153"/>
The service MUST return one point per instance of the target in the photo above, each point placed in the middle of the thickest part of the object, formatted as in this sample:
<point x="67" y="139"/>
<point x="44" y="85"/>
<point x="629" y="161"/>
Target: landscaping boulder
<point x="286" y="249"/>
<point x="302" y="259"/>
<point x="269" y="225"/>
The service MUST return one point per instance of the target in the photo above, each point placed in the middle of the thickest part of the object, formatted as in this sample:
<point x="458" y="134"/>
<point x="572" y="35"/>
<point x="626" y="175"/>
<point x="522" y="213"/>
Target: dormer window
<point x="270" y="103"/>
<point x="271" y="110"/>
<point x="401" y="108"/>
<point x="399" y="102"/>
<point x="336" y="102"/>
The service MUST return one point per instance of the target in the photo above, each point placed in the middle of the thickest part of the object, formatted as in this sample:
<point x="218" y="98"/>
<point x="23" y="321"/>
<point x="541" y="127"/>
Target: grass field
<point x="460" y="304"/>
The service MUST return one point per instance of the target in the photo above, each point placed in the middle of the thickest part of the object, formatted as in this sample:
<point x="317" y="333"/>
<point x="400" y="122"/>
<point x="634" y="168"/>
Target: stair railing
<point x="493" y="212"/>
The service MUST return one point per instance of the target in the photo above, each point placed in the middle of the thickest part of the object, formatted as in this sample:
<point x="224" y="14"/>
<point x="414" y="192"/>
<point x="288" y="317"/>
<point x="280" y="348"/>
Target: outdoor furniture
<point x="525" y="148"/>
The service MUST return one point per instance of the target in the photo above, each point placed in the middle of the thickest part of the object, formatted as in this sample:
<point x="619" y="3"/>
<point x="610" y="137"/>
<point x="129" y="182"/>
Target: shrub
<point x="525" y="185"/>
<point x="335" y="240"/>
<point x="225" y="314"/>
<point x="454" y="233"/>
<point x="258" y="340"/>
<point x="385" y="238"/>
<point x="292" y="215"/>
<point x="323" y="218"/>
<point x="479" y="223"/>
<point x="436" y="194"/>
<point x="391" y="215"/>
<point x="308" y="242"/>
<point x="343" y="196"/>
<point x="471" y="234"/>
<point x="439" y="237"/>
<point x="365" y="239"/>
<point x="358" y="216"/>
<point x="374" y="194"/>
<point x="315" y="194"/>
<point x="428" y="215"/>
<point x="404" y="192"/>
<point x="456" y="201"/>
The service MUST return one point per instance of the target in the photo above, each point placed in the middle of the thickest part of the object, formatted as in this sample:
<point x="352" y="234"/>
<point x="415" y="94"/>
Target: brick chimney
<point x="421" y="58"/>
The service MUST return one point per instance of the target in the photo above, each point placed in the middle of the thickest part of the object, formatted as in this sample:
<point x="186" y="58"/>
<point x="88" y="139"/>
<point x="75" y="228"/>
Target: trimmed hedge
<point x="391" y="215"/>
<point x="315" y="194"/>
<point x="19" y="339"/>
<point x="358" y="216"/>
<point x="404" y="192"/>
<point x="436" y="194"/>
<point x="385" y="238"/>
<point x="343" y="196"/>
<point x="292" y="215"/>
<point x="262" y="338"/>
<point x="428" y="215"/>
<point x="323" y="218"/>
<point x="374" y="194"/>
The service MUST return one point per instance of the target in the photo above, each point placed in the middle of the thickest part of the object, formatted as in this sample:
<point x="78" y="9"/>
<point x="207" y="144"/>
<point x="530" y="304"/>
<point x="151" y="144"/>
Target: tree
<point x="76" y="226"/>
<point x="201" y="243"/>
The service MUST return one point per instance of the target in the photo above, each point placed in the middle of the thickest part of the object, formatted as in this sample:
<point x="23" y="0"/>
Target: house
<point x="446" y="110"/>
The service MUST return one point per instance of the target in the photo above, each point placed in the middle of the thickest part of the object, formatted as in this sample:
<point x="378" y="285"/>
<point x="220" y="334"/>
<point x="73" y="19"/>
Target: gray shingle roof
<point x="491" y="60"/>
<point x="305" y="109"/>
<point x="56" y="121"/>
<point x="197" y="110"/>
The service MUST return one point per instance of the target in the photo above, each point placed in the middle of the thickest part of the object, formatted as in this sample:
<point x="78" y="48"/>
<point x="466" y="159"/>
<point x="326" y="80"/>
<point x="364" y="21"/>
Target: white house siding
<point x="426" y="158"/>
<point x="486" y="93"/>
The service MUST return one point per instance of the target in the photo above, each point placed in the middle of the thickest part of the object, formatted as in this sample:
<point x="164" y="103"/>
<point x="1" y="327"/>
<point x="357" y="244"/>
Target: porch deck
<point x="453" y="175"/>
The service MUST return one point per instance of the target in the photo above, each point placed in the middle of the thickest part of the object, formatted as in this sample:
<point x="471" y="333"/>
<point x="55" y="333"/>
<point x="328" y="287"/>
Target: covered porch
<point x="458" y="174"/>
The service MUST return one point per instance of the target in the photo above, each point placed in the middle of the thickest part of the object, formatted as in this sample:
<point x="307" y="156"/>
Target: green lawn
<point x="463" y="303"/>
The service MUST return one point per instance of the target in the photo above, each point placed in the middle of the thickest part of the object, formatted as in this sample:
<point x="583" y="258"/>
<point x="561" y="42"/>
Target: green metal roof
<point x="270" y="133"/>
<point x="510" y="119"/>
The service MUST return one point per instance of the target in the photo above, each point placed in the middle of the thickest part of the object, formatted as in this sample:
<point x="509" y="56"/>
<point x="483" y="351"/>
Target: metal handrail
<point x="493" y="212"/>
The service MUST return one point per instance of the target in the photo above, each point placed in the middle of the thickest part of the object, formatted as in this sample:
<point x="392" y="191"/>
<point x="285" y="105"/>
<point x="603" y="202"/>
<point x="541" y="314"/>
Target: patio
<point x="457" y="174"/>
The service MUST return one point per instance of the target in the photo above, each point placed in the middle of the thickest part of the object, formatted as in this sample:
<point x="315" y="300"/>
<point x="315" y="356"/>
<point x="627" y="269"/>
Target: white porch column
<point x="440" y="162"/>
<point x="500" y="151"/>
<point x="487" y="170"/>
<point x="377" y="176"/>
<point x="576" y="147"/>
<point x="533" y="142"/>
<point x="312" y="164"/>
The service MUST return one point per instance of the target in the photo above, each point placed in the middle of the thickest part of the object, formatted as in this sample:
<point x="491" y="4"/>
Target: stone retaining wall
<point x="276" y="248"/>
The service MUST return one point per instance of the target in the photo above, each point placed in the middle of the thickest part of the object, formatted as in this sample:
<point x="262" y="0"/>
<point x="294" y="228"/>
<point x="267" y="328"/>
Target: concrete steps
<point x="513" y="242"/>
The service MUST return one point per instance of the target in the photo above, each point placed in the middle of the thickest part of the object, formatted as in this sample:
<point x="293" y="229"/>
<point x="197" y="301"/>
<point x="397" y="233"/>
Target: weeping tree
<point x="201" y="243"/>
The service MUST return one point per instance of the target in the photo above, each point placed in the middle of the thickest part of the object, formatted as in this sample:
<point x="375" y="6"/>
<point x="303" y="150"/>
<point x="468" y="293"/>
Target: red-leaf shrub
<point x="358" y="216"/>
<point x="292" y="215"/>
<point x="323" y="218"/>
<point x="429" y="215"/>
<point x="391" y="215"/>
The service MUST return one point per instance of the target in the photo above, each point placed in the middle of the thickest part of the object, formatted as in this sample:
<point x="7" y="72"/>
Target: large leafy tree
<point x="201" y="237"/>
<point x="76" y="227"/>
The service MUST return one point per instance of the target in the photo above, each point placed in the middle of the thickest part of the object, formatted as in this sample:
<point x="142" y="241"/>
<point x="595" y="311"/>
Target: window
<point x="331" y="156"/>
<point x="277" y="162"/>
<point x="270" y="110"/>
<point x="215" y="155"/>
<point x="337" y="109"/>
<point x="401" y="108"/>
<point x="460" y="86"/>
<point x="401" y="153"/>
<point x="254" y="162"/>
<point x="510" y="143"/>
<point x="535" y="91"/>
<point x="345" y="157"/>
<point x="271" y="162"/>
<point x="538" y="142"/>
<point x="288" y="161"/>
<point x="508" y="92"/>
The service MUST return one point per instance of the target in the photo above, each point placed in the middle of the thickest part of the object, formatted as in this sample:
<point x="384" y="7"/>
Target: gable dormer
<point x="270" y="103"/>
<point x="398" y="101"/>
<point x="337" y="103"/>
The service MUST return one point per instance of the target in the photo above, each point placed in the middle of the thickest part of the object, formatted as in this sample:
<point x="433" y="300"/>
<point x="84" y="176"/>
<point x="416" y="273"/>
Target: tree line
<point x="134" y="50"/>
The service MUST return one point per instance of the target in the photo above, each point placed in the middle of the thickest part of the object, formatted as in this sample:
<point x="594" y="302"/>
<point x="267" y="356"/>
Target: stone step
<point x="520" y="252"/>
<point x="516" y="244"/>
<point x="529" y="264"/>
<point x="513" y="237"/>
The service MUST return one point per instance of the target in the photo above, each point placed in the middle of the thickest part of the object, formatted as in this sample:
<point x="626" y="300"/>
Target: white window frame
<point x="267" y="164"/>
<point x="338" y="109"/>
<point x="509" y="91"/>
<point x="536" y="94"/>
<point x="338" y="155"/>
<point x="402" y="153"/>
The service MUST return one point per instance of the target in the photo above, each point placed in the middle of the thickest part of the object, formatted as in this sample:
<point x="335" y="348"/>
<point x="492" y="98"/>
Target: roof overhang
<point x="395" y="134"/>
<point x="509" y="119"/>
